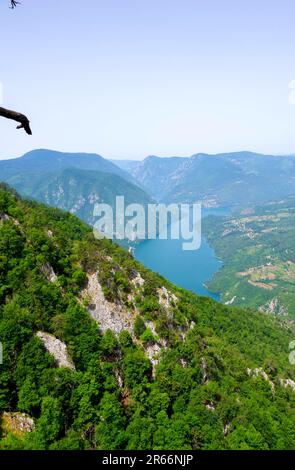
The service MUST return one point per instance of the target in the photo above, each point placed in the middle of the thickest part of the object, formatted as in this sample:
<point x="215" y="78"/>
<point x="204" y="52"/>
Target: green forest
<point x="256" y="246"/>
<point x="222" y="378"/>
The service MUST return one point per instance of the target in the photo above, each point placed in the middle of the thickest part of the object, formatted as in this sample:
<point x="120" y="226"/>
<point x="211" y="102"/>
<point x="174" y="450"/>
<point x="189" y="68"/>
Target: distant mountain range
<point x="70" y="181"/>
<point x="42" y="161"/>
<point x="218" y="180"/>
<point x="75" y="181"/>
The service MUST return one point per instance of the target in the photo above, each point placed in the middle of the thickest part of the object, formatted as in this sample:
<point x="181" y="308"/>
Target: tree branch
<point x="14" y="3"/>
<point x="18" y="117"/>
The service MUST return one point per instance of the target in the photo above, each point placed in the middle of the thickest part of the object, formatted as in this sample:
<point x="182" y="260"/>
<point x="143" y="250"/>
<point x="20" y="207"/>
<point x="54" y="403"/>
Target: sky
<point x="127" y="78"/>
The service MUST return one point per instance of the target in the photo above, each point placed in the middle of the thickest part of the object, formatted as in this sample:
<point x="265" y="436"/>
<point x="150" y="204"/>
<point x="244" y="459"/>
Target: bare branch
<point x="18" y="117"/>
<point x="14" y="3"/>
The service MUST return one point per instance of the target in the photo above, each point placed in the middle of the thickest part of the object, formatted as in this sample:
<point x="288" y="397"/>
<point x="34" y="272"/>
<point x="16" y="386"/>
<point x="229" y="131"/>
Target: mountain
<point x="127" y="165"/>
<point x="77" y="191"/>
<point x="101" y="353"/>
<point x="257" y="247"/>
<point x="218" y="180"/>
<point x="153" y="173"/>
<point x="40" y="162"/>
<point x="73" y="182"/>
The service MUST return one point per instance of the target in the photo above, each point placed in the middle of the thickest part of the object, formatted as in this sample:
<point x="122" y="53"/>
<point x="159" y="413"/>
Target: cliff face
<point x="223" y="180"/>
<point x="99" y="352"/>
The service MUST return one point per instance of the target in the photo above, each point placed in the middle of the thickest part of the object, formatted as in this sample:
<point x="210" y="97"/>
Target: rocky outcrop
<point x="275" y="307"/>
<point x="49" y="233"/>
<point x="80" y="202"/>
<point x="259" y="372"/>
<point x="153" y="352"/>
<point x="119" y="378"/>
<point x="109" y="316"/>
<point x="210" y="405"/>
<point x="47" y="271"/>
<point x="137" y="281"/>
<point x="17" y="423"/>
<point x="3" y="217"/>
<point x="205" y="371"/>
<point x="226" y="429"/>
<point x="231" y="301"/>
<point x="183" y="362"/>
<point x="166" y="298"/>
<point x="57" y="349"/>
<point x="288" y="383"/>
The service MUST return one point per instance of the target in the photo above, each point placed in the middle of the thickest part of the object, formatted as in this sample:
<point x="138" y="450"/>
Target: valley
<point x="256" y="272"/>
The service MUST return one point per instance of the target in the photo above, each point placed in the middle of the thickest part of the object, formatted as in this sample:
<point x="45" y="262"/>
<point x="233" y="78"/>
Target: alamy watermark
<point x="148" y="222"/>
<point x="1" y="353"/>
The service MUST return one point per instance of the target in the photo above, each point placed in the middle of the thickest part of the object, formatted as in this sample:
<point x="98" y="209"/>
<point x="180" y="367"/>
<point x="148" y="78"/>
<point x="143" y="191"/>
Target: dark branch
<point x="14" y="3"/>
<point x="18" y="117"/>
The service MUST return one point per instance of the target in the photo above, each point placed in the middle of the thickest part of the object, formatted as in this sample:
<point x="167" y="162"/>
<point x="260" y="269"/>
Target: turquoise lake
<point x="187" y="269"/>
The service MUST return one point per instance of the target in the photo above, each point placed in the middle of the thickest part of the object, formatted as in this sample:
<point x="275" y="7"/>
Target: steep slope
<point x="154" y="173"/>
<point x="126" y="165"/>
<point x="100" y="353"/>
<point x="72" y="182"/>
<point x="218" y="180"/>
<point x="77" y="191"/>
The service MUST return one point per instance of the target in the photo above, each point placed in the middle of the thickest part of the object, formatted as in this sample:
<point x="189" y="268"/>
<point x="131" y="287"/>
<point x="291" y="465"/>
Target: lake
<point x="187" y="269"/>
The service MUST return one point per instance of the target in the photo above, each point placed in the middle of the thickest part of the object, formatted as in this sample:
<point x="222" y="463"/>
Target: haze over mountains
<point x="75" y="181"/>
<point x="42" y="161"/>
<point x="218" y="180"/>
<point x="72" y="182"/>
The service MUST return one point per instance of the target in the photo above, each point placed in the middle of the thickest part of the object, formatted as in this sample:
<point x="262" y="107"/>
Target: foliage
<point x="199" y="396"/>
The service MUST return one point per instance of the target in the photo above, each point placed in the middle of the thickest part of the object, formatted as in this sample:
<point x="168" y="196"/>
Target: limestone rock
<point x="48" y="272"/>
<point x="167" y="299"/>
<point x="109" y="316"/>
<point x="57" y="349"/>
<point x="17" y="423"/>
<point x="259" y="372"/>
<point x="288" y="383"/>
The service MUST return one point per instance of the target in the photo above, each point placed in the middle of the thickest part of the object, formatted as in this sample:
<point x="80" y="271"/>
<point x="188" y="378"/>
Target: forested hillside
<point x="100" y="353"/>
<point x="257" y="246"/>
<point x="74" y="182"/>
<point x="77" y="191"/>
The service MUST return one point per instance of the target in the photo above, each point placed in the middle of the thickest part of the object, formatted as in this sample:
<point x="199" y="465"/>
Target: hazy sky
<point x="128" y="78"/>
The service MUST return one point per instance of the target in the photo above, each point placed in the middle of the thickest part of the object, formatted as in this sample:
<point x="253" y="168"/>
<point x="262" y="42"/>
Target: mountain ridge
<point x="217" y="180"/>
<point x="73" y="182"/>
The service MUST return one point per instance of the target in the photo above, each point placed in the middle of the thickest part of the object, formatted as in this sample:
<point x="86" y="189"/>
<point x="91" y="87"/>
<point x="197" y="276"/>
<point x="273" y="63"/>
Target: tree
<point x="49" y="424"/>
<point x="14" y="3"/>
<point x="24" y="122"/>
